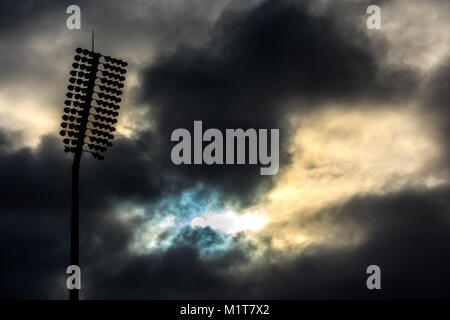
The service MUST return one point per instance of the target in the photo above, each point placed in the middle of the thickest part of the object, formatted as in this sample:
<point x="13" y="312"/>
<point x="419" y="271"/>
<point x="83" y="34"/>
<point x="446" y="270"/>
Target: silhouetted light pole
<point x="90" y="115"/>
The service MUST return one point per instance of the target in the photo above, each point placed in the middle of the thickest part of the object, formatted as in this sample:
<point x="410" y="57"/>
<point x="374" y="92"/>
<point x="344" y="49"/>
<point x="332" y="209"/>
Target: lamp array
<point x="90" y="111"/>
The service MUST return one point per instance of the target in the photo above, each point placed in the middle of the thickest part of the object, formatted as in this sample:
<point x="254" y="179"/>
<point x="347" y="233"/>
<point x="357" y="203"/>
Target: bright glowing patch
<point x="198" y="222"/>
<point x="229" y="221"/>
<point x="338" y="154"/>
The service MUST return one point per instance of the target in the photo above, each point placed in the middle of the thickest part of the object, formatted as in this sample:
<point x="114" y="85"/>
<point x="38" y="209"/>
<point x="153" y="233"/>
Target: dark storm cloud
<point x="406" y="234"/>
<point x="31" y="227"/>
<point x="42" y="173"/>
<point x="437" y="103"/>
<point x="256" y="63"/>
<point x="180" y="271"/>
<point x="34" y="36"/>
<point x="22" y="24"/>
<point x="35" y="202"/>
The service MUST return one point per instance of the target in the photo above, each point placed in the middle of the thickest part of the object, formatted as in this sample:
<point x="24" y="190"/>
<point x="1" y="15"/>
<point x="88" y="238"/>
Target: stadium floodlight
<point x="90" y="113"/>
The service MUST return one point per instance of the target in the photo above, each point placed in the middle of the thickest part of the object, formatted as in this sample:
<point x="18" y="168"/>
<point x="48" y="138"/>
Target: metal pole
<point x="75" y="221"/>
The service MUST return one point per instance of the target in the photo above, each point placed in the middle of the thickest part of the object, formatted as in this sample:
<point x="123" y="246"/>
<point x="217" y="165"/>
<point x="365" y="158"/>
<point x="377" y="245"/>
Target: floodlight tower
<point x="90" y="115"/>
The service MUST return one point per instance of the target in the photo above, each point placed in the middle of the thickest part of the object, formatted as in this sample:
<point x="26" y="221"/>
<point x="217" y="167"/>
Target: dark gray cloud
<point x="36" y="202"/>
<point x="437" y="102"/>
<point x="255" y="65"/>
<point x="406" y="235"/>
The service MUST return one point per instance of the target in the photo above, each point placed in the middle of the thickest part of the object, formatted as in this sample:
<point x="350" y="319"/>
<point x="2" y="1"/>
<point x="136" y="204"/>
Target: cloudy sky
<point x="364" y="178"/>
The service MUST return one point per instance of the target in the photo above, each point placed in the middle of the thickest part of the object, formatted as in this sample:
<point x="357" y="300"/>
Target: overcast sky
<point x="364" y="174"/>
